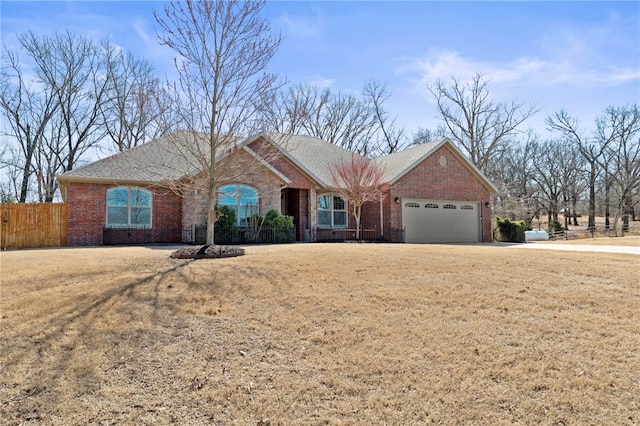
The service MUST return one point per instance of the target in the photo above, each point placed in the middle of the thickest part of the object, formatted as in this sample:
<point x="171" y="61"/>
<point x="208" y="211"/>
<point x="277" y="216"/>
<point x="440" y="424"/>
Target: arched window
<point x="128" y="206"/>
<point x="242" y="199"/>
<point x="332" y="211"/>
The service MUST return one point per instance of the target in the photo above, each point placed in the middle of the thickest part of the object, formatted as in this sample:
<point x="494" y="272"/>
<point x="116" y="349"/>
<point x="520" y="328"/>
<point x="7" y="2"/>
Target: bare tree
<point x="358" y="180"/>
<point x="133" y="104"/>
<point x="342" y="119"/>
<point x="55" y="104"/>
<point x="287" y="110"/>
<point x="390" y="137"/>
<point x="425" y="135"/>
<point x="223" y="50"/>
<point x="550" y="166"/>
<point x="28" y="108"/>
<point x="591" y="149"/>
<point x="478" y="125"/>
<point x="621" y="125"/>
<point x="78" y="73"/>
<point x="511" y="169"/>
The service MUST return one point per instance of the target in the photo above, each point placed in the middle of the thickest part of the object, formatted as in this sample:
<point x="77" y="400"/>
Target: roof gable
<point x="400" y="163"/>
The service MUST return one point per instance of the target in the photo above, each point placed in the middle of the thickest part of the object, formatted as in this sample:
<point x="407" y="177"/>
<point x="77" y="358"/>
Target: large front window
<point x="332" y="211"/>
<point x="128" y="206"/>
<point x="242" y="199"/>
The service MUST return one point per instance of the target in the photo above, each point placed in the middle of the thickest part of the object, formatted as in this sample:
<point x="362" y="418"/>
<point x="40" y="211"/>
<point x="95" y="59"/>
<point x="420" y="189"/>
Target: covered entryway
<point x="441" y="221"/>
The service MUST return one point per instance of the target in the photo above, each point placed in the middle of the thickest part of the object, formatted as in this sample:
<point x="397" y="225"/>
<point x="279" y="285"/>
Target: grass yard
<point x="320" y="334"/>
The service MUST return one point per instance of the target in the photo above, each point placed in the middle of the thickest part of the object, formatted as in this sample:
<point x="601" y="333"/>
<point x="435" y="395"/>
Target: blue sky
<point x="580" y="56"/>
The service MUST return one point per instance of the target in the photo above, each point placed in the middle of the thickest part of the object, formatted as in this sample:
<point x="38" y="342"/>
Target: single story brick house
<point x="433" y="193"/>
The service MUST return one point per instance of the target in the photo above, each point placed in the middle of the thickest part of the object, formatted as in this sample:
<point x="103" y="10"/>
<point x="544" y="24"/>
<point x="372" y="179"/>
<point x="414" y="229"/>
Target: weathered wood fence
<point x="33" y="225"/>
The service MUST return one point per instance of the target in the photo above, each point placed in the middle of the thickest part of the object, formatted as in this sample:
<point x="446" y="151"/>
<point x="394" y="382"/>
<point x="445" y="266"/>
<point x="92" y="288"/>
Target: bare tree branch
<point x="473" y="121"/>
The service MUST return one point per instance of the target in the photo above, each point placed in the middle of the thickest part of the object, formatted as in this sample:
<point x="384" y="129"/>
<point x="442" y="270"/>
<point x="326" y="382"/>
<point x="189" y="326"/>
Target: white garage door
<point x="440" y="221"/>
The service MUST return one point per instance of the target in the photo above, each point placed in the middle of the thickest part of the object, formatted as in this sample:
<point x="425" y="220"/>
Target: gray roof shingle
<point x="314" y="156"/>
<point x="162" y="160"/>
<point x="399" y="163"/>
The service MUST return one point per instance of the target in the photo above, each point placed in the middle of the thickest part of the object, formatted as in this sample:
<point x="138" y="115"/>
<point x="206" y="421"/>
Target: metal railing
<point x="197" y="234"/>
<point x="344" y="234"/>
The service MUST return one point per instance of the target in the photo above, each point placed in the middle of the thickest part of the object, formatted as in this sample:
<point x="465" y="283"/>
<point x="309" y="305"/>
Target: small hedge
<point x="512" y="231"/>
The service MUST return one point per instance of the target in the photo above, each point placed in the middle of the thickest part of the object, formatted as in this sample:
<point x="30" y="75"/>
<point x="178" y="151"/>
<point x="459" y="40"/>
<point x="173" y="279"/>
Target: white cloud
<point x="320" y="82"/>
<point x="139" y="26"/>
<point x="529" y="71"/>
<point x="302" y="26"/>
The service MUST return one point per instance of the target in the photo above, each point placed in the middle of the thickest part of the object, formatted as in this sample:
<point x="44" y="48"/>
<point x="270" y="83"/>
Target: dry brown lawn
<point x="320" y="334"/>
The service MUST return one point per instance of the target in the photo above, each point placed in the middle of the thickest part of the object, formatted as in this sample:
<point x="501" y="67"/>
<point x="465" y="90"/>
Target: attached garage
<point x="441" y="221"/>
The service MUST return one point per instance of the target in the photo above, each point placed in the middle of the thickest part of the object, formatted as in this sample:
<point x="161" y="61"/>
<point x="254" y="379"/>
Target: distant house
<point x="433" y="194"/>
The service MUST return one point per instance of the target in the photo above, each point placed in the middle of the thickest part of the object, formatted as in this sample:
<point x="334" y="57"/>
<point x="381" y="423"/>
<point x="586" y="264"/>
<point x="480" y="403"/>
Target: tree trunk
<point x="211" y="218"/>
<point x="607" y="202"/>
<point x="592" y="195"/>
<point x="356" y="214"/>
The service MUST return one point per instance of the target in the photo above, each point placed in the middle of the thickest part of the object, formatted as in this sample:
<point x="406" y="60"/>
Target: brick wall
<point x="239" y="168"/>
<point x="87" y="211"/>
<point x="448" y="179"/>
<point x="86" y="214"/>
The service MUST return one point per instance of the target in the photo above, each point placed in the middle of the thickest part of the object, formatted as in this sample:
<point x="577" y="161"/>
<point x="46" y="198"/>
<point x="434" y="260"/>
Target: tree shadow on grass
<point x="45" y="363"/>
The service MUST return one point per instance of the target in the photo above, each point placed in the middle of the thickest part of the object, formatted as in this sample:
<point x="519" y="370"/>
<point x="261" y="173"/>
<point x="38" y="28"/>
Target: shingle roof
<point x="158" y="161"/>
<point x="163" y="160"/>
<point x="314" y="156"/>
<point x="399" y="163"/>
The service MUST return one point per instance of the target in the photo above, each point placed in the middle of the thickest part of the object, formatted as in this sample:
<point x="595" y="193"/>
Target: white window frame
<point x="333" y="211"/>
<point x="129" y="206"/>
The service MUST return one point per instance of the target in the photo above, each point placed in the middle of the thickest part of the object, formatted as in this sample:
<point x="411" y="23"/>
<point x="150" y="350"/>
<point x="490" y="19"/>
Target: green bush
<point x="226" y="217"/>
<point x="224" y="227"/>
<point x="555" y="226"/>
<point x="273" y="219"/>
<point x="281" y="226"/>
<point x="512" y="231"/>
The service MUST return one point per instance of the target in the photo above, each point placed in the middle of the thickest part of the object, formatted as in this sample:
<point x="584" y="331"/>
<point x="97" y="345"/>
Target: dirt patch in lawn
<point x="320" y="334"/>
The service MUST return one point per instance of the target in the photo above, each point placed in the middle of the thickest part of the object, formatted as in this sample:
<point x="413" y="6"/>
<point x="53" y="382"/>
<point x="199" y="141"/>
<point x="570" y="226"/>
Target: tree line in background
<point x="62" y="97"/>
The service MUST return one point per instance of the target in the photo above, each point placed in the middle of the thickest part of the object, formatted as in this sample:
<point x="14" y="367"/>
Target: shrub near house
<point x="512" y="231"/>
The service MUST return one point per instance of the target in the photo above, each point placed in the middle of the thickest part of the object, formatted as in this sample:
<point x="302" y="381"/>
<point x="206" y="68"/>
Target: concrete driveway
<point x="580" y="247"/>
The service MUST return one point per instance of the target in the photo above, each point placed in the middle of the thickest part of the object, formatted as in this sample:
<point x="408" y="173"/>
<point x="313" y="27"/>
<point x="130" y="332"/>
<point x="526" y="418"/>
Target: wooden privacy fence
<point x="33" y="225"/>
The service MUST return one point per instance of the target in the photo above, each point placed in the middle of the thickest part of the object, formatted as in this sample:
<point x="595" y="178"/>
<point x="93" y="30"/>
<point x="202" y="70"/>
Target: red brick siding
<point x="167" y="213"/>
<point x="86" y="213"/>
<point x="304" y="218"/>
<point x="283" y="165"/>
<point x="87" y="210"/>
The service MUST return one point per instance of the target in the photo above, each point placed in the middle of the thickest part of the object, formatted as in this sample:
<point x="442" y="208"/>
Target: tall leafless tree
<point x="133" y="103"/>
<point x="512" y="170"/>
<point x="621" y="125"/>
<point x="78" y="72"/>
<point x="551" y="165"/>
<point x="390" y="137"/>
<point x="342" y="119"/>
<point x="591" y="148"/>
<point x="223" y="49"/>
<point x="473" y="121"/>
<point x="28" y="107"/>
